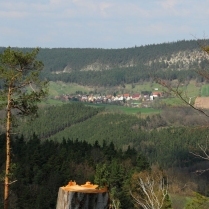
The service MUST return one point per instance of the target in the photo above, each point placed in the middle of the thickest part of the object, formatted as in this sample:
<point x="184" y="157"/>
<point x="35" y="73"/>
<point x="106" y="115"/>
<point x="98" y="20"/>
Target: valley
<point x="107" y="120"/>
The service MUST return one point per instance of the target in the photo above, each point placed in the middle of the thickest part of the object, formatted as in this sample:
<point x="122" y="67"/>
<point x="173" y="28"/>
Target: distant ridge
<point x="88" y="66"/>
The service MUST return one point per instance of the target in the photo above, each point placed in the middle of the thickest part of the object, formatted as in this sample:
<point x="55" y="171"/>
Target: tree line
<point x="41" y="167"/>
<point x="153" y="136"/>
<point x="118" y="66"/>
<point x="54" y="119"/>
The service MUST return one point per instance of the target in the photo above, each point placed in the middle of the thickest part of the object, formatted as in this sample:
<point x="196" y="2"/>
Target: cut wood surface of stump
<point x="86" y="196"/>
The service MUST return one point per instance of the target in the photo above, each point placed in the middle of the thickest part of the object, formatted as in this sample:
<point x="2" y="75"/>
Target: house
<point x="118" y="98"/>
<point x="84" y="98"/>
<point x="91" y="98"/>
<point x="109" y="96"/>
<point x="127" y="97"/>
<point x="136" y="96"/>
<point x="65" y="97"/>
<point x="156" y="94"/>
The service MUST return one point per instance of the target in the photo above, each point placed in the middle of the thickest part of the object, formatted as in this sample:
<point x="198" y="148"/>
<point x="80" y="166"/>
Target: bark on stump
<point x="81" y="200"/>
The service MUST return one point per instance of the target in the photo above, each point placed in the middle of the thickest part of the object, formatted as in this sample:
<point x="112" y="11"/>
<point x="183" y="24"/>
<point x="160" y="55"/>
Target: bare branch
<point x="204" y="149"/>
<point x="22" y="85"/>
<point x="12" y="182"/>
<point x="19" y="70"/>
<point x="32" y="88"/>
<point x="154" y="193"/>
<point x="204" y="156"/>
<point x="200" y="172"/>
<point x="178" y="93"/>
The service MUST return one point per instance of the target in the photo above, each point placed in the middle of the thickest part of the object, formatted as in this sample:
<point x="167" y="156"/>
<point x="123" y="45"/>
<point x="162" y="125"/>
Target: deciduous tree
<point x="150" y="189"/>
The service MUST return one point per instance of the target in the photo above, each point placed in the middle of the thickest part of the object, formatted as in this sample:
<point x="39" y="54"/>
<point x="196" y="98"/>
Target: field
<point x="180" y="201"/>
<point x="59" y="88"/>
<point x="205" y="90"/>
<point x="127" y="110"/>
<point x="190" y="91"/>
<point x="144" y="86"/>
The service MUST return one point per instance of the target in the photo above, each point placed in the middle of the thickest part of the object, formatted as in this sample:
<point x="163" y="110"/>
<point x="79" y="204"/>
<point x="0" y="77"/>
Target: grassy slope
<point x="59" y="88"/>
<point x="179" y="201"/>
<point x="191" y="90"/>
<point x="205" y="90"/>
<point x="128" y="110"/>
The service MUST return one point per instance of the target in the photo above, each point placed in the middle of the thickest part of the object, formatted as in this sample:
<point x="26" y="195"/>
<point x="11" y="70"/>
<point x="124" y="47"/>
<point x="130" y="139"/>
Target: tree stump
<point x="78" y="197"/>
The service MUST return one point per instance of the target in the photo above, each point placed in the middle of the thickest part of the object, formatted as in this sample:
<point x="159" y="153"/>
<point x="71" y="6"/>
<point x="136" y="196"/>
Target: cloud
<point x="8" y="31"/>
<point x="13" y="14"/>
<point x="13" y="10"/>
<point x="169" y="4"/>
<point x="117" y="21"/>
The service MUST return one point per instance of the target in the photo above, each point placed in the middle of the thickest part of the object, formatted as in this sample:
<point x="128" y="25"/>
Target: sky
<point x="101" y="23"/>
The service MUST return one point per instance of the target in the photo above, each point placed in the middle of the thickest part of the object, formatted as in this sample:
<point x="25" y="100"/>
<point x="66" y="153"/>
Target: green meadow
<point x="60" y="88"/>
<point x="189" y="91"/>
<point x="205" y="90"/>
<point x="127" y="110"/>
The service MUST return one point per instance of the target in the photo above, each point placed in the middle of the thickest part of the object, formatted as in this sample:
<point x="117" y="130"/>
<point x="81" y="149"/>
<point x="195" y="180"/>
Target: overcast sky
<point x="101" y="23"/>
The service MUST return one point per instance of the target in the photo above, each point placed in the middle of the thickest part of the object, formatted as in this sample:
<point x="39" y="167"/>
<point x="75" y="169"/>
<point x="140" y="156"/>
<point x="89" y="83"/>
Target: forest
<point x="160" y="137"/>
<point x="113" y="67"/>
<point x="50" y="156"/>
<point x="41" y="167"/>
<point x="76" y="141"/>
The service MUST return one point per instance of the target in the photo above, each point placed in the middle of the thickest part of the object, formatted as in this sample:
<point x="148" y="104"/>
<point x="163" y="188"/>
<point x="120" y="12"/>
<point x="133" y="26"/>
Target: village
<point x="143" y="99"/>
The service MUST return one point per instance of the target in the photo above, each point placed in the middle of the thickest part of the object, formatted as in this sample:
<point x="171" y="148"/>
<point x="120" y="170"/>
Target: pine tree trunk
<point x="7" y="170"/>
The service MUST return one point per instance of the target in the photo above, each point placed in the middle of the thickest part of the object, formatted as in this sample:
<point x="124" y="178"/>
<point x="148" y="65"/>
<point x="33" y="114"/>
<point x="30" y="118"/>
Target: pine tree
<point x="21" y="91"/>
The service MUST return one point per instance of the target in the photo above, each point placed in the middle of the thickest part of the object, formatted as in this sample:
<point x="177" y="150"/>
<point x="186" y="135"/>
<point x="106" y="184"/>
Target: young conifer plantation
<point x="151" y="159"/>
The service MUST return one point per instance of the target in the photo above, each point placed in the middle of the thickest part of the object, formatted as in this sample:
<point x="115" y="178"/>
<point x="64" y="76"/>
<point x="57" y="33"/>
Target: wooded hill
<point x="42" y="167"/>
<point x="159" y="137"/>
<point x="72" y="141"/>
<point x="112" y="67"/>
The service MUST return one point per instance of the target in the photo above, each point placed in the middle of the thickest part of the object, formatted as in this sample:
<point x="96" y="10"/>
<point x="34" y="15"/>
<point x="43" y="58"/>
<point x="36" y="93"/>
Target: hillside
<point x="113" y="67"/>
<point x="78" y="139"/>
<point x="148" y="135"/>
<point x="71" y="141"/>
<point x="182" y="54"/>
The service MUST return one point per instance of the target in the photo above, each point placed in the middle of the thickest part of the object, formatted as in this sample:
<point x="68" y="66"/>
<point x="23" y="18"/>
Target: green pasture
<point x="189" y="90"/>
<point x="143" y="86"/>
<point x="192" y="89"/>
<point x="52" y="102"/>
<point x="173" y="101"/>
<point x="127" y="110"/>
<point x="59" y="88"/>
<point x="205" y="90"/>
<point x="179" y="201"/>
